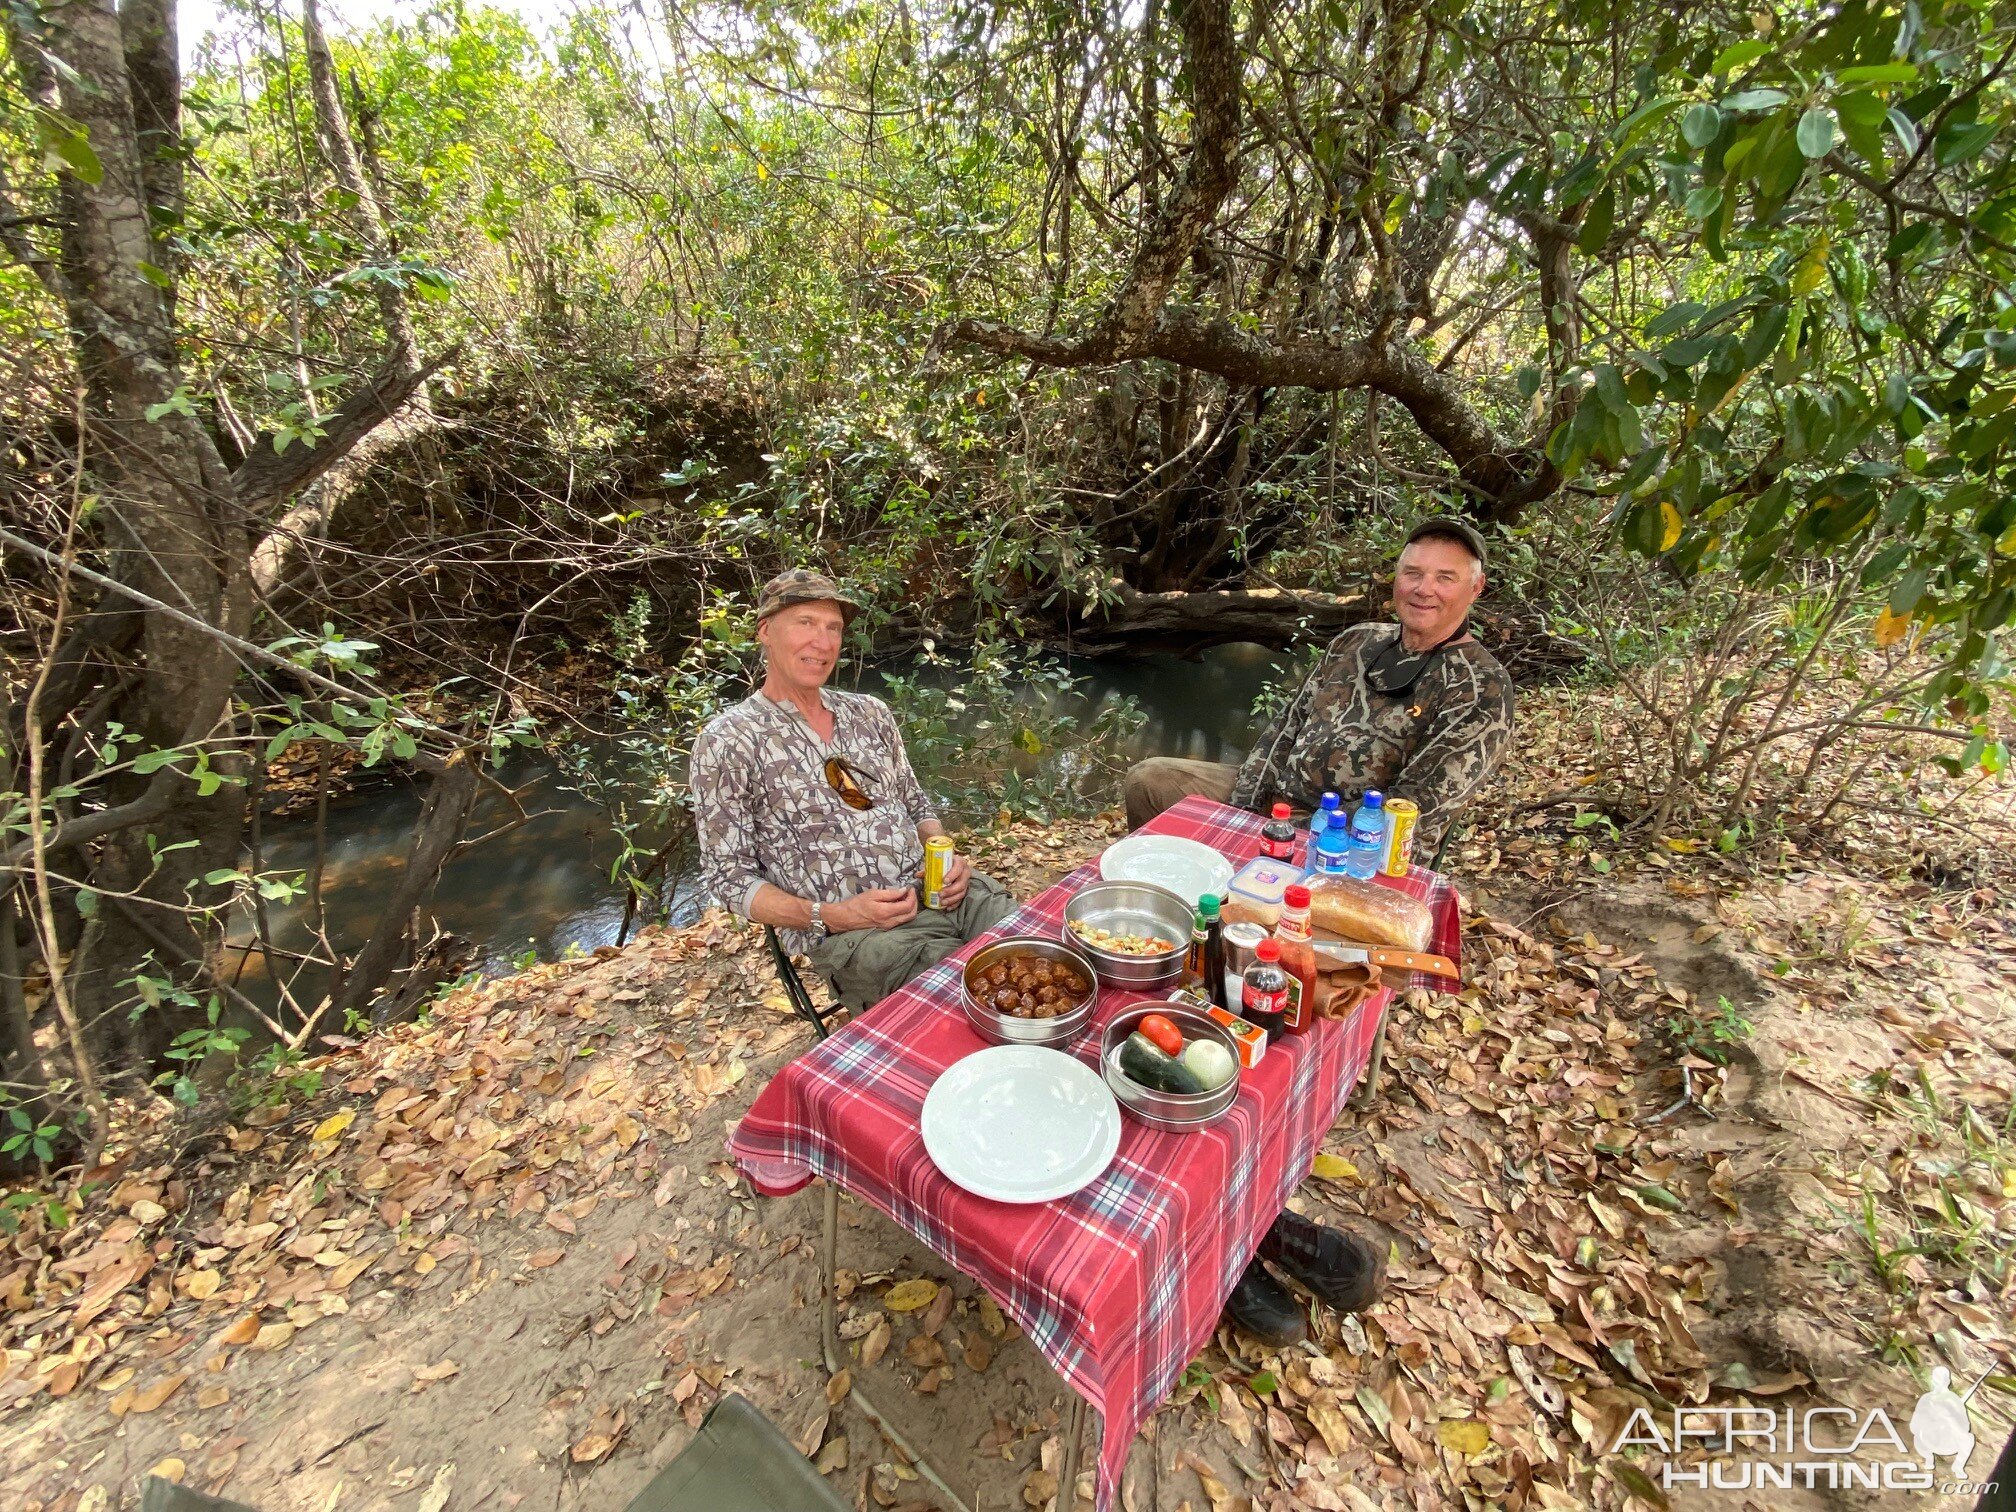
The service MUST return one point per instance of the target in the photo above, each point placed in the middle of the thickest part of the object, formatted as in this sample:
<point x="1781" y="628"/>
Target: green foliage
<point x="1711" y="1033"/>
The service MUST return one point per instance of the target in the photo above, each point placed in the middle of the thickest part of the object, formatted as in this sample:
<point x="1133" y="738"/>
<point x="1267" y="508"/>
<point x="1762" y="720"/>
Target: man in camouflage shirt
<point x="1417" y="710"/>
<point x="812" y="819"/>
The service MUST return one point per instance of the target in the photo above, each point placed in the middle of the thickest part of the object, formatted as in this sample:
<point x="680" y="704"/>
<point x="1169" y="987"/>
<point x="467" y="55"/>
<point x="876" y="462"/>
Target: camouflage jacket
<point x="1435" y="745"/>
<point x="765" y="812"/>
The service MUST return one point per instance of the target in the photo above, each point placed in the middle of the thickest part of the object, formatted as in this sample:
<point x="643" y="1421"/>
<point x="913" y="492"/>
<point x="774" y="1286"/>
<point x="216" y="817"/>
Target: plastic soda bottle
<point x="1368" y="837"/>
<point x="1265" y="1000"/>
<point x="1277" y="835"/>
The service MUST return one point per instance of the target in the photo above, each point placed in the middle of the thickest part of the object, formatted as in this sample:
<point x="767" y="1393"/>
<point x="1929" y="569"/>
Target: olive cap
<point x="1449" y="528"/>
<point x="801" y="585"/>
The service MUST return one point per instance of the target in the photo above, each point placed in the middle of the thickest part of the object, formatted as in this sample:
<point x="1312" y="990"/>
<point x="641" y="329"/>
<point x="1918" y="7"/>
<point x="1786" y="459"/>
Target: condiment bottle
<point x="1277" y="835"/>
<point x="1264" y="1002"/>
<point x="1196" y="978"/>
<point x="1214" y="948"/>
<point x="1298" y="959"/>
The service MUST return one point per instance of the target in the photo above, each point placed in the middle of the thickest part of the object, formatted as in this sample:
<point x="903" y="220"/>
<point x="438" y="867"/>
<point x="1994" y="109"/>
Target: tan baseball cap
<point x="801" y="585"/>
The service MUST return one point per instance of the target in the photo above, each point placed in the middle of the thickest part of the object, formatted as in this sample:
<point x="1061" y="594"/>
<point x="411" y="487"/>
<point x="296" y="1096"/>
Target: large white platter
<point x="1021" y="1123"/>
<point x="1188" y="868"/>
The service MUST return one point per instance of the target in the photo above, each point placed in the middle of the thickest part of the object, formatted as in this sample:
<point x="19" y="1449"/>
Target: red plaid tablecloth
<point x="1120" y="1284"/>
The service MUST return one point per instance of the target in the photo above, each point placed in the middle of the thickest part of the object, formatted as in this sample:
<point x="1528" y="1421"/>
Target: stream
<point x="545" y="885"/>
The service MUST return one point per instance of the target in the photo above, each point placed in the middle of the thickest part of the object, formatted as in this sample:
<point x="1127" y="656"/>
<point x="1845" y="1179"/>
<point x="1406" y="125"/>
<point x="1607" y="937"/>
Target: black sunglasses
<point x="1395" y="670"/>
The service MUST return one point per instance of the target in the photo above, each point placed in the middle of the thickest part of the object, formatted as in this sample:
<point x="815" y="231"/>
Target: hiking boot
<point x="1263" y="1307"/>
<point x="1343" y="1270"/>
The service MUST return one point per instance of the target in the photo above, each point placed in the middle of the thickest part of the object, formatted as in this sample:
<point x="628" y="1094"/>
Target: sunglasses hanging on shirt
<point x="1395" y="670"/>
<point x="844" y="780"/>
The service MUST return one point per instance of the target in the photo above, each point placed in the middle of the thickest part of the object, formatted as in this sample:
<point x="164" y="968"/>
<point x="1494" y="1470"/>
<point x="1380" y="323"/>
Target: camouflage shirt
<point x="765" y="812"/>
<point x="1435" y="744"/>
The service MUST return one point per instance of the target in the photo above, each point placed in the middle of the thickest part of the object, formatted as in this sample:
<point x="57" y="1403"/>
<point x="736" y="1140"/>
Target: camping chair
<point x="795" y="988"/>
<point x="738" y="1462"/>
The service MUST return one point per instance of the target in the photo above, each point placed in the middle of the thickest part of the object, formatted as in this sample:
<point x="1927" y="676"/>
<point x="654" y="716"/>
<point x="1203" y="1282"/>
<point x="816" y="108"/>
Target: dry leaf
<point x="1463" y="1435"/>
<point x="1333" y="1168"/>
<point x="427" y="1375"/>
<point x="171" y="1470"/>
<point x="832" y="1457"/>
<point x="435" y="1497"/>
<point x="541" y="1259"/>
<point x="938" y="1312"/>
<point x="908" y="1296"/>
<point x="877" y="1343"/>
<point x="244" y="1331"/>
<point x="208" y="1397"/>
<point x="838" y="1387"/>
<point x="333" y="1126"/>
<point x="151" y="1397"/>
<point x="201" y="1284"/>
<point x="274" y="1336"/>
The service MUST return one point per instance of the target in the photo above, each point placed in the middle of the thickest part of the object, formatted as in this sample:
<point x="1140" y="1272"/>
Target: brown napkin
<point x="1340" y="989"/>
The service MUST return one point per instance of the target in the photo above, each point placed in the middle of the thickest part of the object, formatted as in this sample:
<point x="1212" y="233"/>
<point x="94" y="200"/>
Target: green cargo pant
<point x="866" y="965"/>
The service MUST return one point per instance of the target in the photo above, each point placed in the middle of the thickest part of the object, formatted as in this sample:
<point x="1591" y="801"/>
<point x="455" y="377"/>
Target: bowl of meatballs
<point x="1029" y="991"/>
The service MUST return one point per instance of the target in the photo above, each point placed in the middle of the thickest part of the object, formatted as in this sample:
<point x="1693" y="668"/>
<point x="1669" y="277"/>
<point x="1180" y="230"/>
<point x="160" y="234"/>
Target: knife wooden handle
<point x="1411" y="960"/>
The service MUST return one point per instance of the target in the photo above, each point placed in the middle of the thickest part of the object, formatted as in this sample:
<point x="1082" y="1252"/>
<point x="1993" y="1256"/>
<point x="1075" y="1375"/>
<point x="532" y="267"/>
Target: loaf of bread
<point x="1367" y="914"/>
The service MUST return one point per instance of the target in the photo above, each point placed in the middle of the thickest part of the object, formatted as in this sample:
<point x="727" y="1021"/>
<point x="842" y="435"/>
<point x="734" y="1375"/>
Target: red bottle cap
<point x="1268" y="949"/>
<point x="1295" y="896"/>
<point x="1281" y="811"/>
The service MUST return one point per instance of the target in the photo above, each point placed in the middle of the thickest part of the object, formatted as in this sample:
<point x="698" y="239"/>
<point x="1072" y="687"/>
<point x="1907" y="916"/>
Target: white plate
<point x="1188" y="868"/>
<point x="1021" y="1123"/>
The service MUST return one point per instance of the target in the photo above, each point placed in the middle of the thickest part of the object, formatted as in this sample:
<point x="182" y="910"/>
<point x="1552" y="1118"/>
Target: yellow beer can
<point x="938" y="853"/>
<point x="1401" y="816"/>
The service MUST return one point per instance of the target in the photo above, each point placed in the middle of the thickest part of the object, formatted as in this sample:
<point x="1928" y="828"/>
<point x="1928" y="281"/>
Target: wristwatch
<point x="818" y="919"/>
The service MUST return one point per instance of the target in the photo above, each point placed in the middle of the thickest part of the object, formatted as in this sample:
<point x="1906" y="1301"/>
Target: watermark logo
<point x="1831" y="1448"/>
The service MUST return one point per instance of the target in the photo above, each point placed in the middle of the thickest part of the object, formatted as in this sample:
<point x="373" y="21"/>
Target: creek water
<point x="545" y="885"/>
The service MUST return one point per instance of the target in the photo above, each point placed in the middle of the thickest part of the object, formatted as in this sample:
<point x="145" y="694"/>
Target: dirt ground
<point x="499" y="1259"/>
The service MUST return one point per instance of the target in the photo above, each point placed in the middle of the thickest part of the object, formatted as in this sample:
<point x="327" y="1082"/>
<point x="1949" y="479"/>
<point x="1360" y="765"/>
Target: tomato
<point x="1166" y="1036"/>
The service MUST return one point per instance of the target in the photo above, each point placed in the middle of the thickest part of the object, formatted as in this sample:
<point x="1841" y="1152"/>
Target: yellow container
<point x="1401" y="817"/>
<point x="938" y="854"/>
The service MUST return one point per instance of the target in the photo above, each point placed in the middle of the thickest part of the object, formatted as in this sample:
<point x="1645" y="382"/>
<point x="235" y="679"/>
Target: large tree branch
<point x="267" y="476"/>
<point x="1510" y="474"/>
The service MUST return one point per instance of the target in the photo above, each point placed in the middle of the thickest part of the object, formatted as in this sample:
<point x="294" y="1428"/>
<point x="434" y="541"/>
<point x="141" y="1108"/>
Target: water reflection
<point x="545" y="885"/>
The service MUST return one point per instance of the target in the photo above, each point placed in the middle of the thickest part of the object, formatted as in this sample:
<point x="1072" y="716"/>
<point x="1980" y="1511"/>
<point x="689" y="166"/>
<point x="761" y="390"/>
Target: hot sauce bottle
<point x="1298" y="959"/>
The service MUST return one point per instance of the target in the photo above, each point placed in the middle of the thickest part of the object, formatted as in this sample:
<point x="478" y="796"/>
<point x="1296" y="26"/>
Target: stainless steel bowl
<point x="1139" y="908"/>
<point x="1006" y="1029"/>
<point x="1174" y="1112"/>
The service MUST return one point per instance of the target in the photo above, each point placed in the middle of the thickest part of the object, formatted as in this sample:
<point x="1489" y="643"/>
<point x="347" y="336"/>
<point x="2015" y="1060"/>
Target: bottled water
<point x="1331" y="847"/>
<point x="1367" y="837"/>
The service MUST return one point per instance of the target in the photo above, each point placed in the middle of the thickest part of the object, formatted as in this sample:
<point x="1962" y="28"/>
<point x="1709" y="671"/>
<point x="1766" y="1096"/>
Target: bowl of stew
<point x="1029" y="991"/>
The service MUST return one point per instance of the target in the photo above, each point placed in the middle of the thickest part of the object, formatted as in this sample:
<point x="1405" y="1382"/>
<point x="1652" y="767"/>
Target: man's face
<point x="1434" y="586"/>
<point x="801" y="642"/>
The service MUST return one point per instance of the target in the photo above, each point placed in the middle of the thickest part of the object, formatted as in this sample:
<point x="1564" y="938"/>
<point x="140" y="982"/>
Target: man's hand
<point x="956" y="877"/>
<point x="877" y="908"/>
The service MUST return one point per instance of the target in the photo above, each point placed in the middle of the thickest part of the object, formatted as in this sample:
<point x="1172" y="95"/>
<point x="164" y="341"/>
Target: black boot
<point x="1264" y="1308"/>
<point x="1343" y="1270"/>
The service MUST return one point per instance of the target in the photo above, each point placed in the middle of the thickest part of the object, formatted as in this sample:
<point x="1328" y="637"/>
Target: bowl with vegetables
<point x="1029" y="991"/>
<point x="1134" y="933"/>
<point x="1170" y="1066"/>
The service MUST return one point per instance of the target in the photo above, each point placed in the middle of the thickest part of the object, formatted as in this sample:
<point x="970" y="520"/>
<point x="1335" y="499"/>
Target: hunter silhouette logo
<point x="1838" y="1448"/>
<point x="1940" y="1426"/>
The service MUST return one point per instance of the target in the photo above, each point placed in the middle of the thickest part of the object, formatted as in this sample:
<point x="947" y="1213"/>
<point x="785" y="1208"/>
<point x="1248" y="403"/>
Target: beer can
<point x="1401" y="816"/>
<point x="938" y="854"/>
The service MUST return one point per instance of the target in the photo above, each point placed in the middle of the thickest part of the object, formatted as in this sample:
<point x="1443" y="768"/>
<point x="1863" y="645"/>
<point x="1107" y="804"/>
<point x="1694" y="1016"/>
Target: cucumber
<point x="1142" y="1060"/>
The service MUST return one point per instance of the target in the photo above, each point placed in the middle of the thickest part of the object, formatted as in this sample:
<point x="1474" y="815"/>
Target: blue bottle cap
<point x="1374" y="798"/>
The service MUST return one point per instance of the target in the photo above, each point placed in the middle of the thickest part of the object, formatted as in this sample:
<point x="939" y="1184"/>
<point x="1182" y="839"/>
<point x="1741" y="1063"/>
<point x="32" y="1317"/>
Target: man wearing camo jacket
<point x="812" y="819"/>
<point x="1419" y="709"/>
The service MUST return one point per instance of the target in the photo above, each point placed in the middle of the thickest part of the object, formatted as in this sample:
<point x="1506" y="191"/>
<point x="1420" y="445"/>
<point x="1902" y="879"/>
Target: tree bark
<point x="175" y="521"/>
